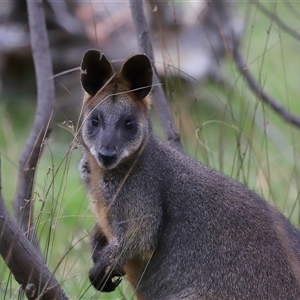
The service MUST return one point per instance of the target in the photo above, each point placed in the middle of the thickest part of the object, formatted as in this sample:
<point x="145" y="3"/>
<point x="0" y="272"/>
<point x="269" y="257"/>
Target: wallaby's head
<point x="115" y="111"/>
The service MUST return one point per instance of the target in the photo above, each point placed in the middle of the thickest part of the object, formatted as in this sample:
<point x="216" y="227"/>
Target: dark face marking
<point x="114" y="129"/>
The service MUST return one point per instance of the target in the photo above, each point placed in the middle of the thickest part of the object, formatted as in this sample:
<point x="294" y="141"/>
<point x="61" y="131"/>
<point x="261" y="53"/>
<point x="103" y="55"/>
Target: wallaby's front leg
<point x="131" y="242"/>
<point x="102" y="274"/>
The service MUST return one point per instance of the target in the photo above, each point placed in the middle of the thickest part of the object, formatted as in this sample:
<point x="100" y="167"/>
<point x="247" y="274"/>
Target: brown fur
<point x="100" y="208"/>
<point x="134" y="269"/>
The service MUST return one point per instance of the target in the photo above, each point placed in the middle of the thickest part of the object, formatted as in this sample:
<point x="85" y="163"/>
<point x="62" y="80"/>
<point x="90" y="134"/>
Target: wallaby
<point x="174" y="227"/>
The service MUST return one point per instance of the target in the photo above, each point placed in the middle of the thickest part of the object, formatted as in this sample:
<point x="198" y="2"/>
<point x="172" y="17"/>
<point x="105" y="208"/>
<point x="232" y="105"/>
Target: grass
<point x="62" y="214"/>
<point x="223" y="125"/>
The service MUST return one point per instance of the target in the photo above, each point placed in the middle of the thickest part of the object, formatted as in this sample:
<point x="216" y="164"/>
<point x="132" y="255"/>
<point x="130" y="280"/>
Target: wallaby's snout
<point x="107" y="156"/>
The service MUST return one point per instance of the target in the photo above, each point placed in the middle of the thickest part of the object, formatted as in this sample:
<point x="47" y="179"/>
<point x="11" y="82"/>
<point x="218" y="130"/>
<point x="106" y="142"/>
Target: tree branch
<point x="277" y="20"/>
<point x="292" y="9"/>
<point x="23" y="204"/>
<point x="23" y="260"/>
<point x="159" y="99"/>
<point x="258" y="90"/>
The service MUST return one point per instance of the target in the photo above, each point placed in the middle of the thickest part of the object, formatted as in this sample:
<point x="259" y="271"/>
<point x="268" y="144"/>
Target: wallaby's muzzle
<point x="107" y="157"/>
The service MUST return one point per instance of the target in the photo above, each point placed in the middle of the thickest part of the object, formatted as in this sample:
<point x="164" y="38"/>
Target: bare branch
<point x="277" y="20"/>
<point x="259" y="92"/>
<point x="23" y="260"/>
<point x="40" y="130"/>
<point x="292" y="9"/>
<point x="159" y="99"/>
<point x="64" y="18"/>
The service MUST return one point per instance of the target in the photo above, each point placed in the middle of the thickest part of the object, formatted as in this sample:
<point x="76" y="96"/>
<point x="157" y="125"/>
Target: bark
<point x="24" y="261"/>
<point x="23" y="204"/>
<point x="20" y="255"/>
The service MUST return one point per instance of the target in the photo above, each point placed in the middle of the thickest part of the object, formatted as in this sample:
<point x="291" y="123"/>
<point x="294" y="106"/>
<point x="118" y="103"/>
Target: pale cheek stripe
<point x="125" y="153"/>
<point x="93" y="151"/>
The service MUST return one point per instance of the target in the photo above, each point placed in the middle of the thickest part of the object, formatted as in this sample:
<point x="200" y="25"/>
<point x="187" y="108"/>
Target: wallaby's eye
<point x="130" y="124"/>
<point x="94" y="122"/>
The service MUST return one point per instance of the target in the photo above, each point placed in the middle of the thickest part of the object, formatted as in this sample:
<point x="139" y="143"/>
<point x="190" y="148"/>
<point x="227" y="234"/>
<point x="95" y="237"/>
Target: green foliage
<point x="63" y="218"/>
<point x="221" y="123"/>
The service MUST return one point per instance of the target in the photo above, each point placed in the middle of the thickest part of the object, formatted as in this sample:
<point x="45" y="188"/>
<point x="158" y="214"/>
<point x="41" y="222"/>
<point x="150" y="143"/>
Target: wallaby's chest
<point x="99" y="201"/>
<point x="104" y="193"/>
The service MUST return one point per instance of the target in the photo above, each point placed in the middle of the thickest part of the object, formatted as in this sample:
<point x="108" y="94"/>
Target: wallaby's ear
<point x="137" y="73"/>
<point x="96" y="70"/>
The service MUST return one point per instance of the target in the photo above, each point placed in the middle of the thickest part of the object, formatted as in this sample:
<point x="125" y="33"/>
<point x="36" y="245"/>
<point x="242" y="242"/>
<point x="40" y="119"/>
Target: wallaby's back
<point x="174" y="227"/>
<point x="219" y="240"/>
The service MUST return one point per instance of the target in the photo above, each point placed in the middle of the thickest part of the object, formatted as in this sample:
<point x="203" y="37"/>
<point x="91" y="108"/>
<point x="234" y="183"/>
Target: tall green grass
<point x="221" y="124"/>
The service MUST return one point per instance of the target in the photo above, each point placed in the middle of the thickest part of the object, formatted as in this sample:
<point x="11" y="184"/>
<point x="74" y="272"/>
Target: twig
<point x="24" y="261"/>
<point x="64" y="19"/>
<point x="292" y="9"/>
<point x="259" y="92"/>
<point x="23" y="204"/>
<point x="159" y="99"/>
<point x="277" y="20"/>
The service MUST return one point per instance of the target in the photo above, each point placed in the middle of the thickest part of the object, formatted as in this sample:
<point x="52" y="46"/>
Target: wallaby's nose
<point x="107" y="156"/>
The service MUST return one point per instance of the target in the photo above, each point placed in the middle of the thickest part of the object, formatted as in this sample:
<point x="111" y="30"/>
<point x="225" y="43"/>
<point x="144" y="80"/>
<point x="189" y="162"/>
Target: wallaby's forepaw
<point x="104" y="283"/>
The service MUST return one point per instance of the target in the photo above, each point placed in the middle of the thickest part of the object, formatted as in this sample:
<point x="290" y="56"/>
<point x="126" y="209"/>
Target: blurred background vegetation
<point x="221" y="122"/>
